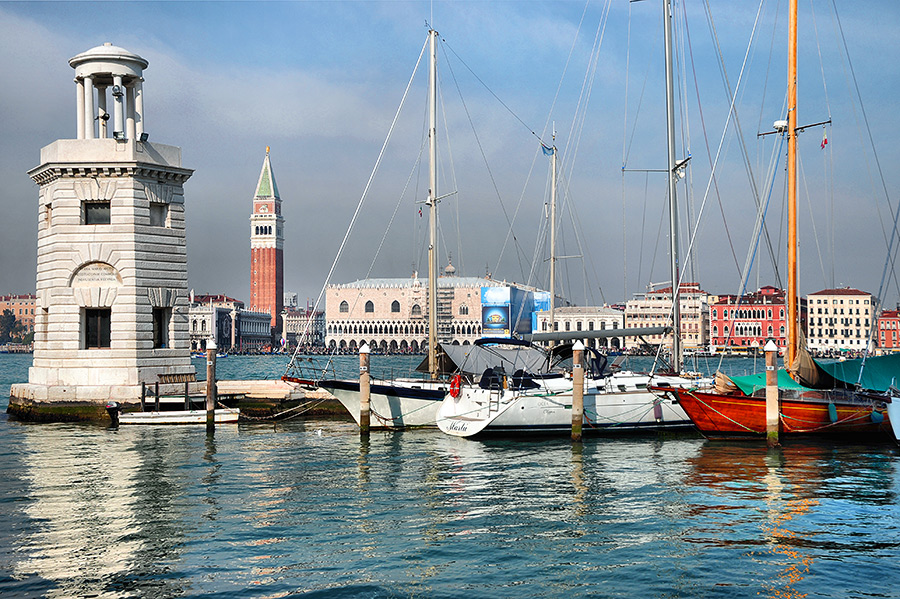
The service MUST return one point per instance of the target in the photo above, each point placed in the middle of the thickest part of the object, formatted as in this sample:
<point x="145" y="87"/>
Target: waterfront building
<point x="839" y="320"/>
<point x="750" y="320"/>
<point x="391" y="315"/>
<point x="585" y="318"/>
<point x="888" y="325"/>
<point x="111" y="310"/>
<point x="267" y="249"/>
<point x="223" y="318"/>
<point x="654" y="309"/>
<point x="22" y="307"/>
<point x="214" y="316"/>
<point x="304" y="326"/>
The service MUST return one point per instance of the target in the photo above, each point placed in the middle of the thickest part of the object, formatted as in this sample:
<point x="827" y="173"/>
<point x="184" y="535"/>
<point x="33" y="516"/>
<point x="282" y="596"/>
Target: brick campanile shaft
<point x="267" y="249"/>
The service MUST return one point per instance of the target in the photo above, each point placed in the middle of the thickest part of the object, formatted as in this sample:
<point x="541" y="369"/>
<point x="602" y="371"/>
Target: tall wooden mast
<point x="792" y="290"/>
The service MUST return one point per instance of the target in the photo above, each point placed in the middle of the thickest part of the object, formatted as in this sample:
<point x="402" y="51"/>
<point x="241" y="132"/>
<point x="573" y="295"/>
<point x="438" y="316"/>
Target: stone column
<point x="101" y="112"/>
<point x="88" y="108"/>
<point x="139" y="110"/>
<point x="118" y="115"/>
<point x="129" y="113"/>
<point x="79" y="109"/>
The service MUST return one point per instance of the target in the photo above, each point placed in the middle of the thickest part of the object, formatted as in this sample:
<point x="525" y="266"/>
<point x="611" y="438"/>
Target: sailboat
<point x="402" y="403"/>
<point x="815" y="399"/>
<point x="614" y="402"/>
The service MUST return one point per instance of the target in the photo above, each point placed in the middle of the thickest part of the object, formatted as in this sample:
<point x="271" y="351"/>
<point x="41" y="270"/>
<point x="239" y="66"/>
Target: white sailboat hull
<point x="893" y="410"/>
<point x="619" y="403"/>
<point x="394" y="405"/>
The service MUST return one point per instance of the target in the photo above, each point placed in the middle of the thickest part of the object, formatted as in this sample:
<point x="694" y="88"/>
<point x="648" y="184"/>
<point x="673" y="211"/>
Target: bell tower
<point x="267" y="249"/>
<point x="112" y="261"/>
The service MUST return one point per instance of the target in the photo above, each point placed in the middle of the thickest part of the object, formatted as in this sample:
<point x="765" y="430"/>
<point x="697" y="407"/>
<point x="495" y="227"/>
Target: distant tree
<point x="7" y="326"/>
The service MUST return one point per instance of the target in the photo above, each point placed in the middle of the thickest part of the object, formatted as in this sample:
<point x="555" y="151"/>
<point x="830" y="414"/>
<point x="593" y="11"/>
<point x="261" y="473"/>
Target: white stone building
<point x="586" y="318"/>
<point x="839" y="320"/>
<point x="112" y="263"/>
<point x="654" y="309"/>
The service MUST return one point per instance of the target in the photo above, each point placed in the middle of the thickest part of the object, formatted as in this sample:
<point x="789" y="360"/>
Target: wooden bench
<point x="178" y="378"/>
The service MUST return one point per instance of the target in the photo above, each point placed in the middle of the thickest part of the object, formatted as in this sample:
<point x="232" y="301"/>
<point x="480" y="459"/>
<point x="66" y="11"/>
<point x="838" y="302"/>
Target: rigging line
<point x="679" y="39"/>
<point x="562" y="76"/>
<point x="829" y="151"/>
<point x="894" y="213"/>
<point x="821" y="62"/>
<point x="708" y="153"/>
<point x="624" y="243"/>
<point x="731" y="112"/>
<point x="453" y="179"/>
<point x="509" y="222"/>
<point x="650" y="58"/>
<point x="733" y="108"/>
<point x="490" y="91"/>
<point x="643" y="230"/>
<point x="362" y="199"/>
<point x="627" y="80"/>
<point x="576" y="129"/>
<point x="812" y="216"/>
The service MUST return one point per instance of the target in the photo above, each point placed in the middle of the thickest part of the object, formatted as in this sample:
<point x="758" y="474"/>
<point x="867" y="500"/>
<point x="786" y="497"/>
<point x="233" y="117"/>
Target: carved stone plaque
<point x="96" y="274"/>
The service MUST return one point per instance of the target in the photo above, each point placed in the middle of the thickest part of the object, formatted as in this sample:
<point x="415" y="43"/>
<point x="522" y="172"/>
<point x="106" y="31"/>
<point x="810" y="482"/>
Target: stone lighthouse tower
<point x="112" y="264"/>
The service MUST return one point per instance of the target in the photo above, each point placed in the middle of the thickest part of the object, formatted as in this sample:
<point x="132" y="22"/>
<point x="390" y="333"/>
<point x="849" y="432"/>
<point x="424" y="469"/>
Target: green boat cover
<point x="880" y="373"/>
<point x="753" y="382"/>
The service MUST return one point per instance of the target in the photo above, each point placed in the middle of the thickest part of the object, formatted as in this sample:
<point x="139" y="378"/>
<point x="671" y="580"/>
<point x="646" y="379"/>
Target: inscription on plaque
<point x="96" y="274"/>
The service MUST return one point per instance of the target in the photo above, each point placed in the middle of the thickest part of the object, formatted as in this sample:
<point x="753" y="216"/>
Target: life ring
<point x="455" y="384"/>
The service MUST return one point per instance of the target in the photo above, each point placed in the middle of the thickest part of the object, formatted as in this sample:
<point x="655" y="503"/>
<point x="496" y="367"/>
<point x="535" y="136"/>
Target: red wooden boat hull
<point x="737" y="415"/>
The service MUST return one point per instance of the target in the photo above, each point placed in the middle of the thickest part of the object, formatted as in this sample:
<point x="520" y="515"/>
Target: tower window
<point x="161" y="327"/>
<point x="96" y="213"/>
<point x="159" y="214"/>
<point x="96" y="328"/>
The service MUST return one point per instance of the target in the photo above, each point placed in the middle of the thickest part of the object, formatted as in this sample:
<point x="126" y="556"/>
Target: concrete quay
<point x="258" y="399"/>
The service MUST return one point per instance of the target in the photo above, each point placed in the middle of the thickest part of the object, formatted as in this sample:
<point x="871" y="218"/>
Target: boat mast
<point x="673" y="205"/>
<point x="793" y="320"/>
<point x="553" y="237"/>
<point x="432" y="206"/>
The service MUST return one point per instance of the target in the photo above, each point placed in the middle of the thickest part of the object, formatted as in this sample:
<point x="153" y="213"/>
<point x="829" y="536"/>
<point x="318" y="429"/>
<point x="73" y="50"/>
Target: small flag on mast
<point x="548" y="151"/>
<point x="824" y="137"/>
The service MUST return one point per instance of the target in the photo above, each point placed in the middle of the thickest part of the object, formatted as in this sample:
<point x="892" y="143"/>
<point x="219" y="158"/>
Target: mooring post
<point x="771" y="393"/>
<point x="143" y="396"/>
<point x="156" y="396"/>
<point x="187" y="397"/>
<point x="210" y="385"/>
<point x="364" y="388"/>
<point x="577" y="389"/>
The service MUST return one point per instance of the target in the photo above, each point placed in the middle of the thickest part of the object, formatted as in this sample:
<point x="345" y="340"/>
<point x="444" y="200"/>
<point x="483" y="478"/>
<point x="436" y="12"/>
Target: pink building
<point x="751" y="320"/>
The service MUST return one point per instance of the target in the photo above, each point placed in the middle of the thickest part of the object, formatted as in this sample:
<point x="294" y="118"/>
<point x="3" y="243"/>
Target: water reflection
<point x="105" y="513"/>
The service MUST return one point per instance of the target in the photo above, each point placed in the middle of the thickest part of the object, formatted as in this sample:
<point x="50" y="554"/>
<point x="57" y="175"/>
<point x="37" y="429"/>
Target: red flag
<point x="824" y="138"/>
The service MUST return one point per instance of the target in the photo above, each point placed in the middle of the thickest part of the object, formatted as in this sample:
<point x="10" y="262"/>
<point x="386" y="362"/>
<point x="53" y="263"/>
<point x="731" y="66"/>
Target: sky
<point x="320" y="82"/>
